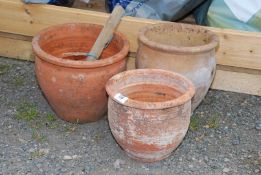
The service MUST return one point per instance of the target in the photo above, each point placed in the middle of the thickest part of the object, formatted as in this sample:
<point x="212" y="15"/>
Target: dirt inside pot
<point x="151" y="92"/>
<point x="74" y="57"/>
<point x="78" y="40"/>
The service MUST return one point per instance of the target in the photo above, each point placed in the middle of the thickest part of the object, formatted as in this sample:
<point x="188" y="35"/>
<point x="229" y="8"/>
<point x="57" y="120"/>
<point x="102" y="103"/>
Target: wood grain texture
<point x="18" y="49"/>
<point x="227" y="78"/>
<point x="237" y="48"/>
<point x="106" y="33"/>
<point x="237" y="82"/>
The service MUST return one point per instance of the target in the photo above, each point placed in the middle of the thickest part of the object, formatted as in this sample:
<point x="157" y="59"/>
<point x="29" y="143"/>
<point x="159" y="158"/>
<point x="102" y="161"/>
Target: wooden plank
<point x="237" y="82"/>
<point x="18" y="49"/>
<point x="227" y="78"/>
<point x="237" y="69"/>
<point x="229" y="81"/>
<point x="16" y="36"/>
<point x="237" y="48"/>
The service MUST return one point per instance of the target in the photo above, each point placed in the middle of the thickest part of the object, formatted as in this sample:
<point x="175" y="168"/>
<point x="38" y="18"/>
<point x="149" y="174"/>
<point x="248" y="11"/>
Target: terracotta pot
<point x="75" y="88"/>
<point x="149" y="112"/>
<point x="182" y="48"/>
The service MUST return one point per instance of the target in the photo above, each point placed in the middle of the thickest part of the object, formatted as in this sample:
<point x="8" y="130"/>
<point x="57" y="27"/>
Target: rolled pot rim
<point x="190" y="92"/>
<point x="39" y="52"/>
<point x="214" y="41"/>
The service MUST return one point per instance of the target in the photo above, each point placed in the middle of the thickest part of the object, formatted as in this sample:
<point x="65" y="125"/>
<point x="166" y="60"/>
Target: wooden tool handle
<point x="106" y="33"/>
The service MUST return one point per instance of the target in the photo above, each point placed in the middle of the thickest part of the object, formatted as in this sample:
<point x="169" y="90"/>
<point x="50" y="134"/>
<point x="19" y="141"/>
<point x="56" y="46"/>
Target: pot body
<point x="145" y="137"/>
<point x="152" y="115"/>
<point x="76" y="88"/>
<point x="188" y="56"/>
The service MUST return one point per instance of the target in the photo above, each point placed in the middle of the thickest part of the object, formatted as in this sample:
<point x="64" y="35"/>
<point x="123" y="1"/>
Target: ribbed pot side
<point x="149" y="112"/>
<point x="182" y="48"/>
<point x="75" y="88"/>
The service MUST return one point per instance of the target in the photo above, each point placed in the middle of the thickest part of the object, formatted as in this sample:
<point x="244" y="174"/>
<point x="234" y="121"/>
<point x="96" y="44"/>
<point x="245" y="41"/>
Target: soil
<point x="151" y="93"/>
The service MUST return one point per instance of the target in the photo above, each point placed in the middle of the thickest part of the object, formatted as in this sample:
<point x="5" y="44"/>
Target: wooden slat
<point x="18" y="49"/>
<point x="229" y="81"/>
<point x="237" y="82"/>
<point x="227" y="78"/>
<point x="237" y="48"/>
<point x="16" y="36"/>
<point x="240" y="70"/>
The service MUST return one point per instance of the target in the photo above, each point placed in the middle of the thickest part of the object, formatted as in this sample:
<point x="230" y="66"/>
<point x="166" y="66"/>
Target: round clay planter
<point x="75" y="88"/>
<point x="149" y="111"/>
<point x="182" y="48"/>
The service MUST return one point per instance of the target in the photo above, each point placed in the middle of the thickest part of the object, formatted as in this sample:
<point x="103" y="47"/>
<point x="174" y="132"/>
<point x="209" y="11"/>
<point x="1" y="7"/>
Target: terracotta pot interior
<point x="150" y="92"/>
<point x="149" y="87"/>
<point x="178" y="35"/>
<point x="76" y="38"/>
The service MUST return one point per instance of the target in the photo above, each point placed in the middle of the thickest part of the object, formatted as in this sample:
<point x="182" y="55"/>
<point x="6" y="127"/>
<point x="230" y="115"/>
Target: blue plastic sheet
<point x="169" y="10"/>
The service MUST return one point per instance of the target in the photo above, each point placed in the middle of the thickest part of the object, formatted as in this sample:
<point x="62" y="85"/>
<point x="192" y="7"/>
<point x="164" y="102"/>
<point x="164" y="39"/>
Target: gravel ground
<point x="224" y="136"/>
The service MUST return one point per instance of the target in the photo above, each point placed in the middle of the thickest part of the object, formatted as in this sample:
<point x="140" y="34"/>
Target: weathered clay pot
<point x="149" y="111"/>
<point x="75" y="88"/>
<point x="182" y="48"/>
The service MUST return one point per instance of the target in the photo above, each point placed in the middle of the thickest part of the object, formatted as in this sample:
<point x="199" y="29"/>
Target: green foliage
<point x="4" y="68"/>
<point x="37" y="136"/>
<point x="213" y="122"/>
<point x="26" y="111"/>
<point x="194" y="123"/>
<point x="50" y="117"/>
<point x="70" y="128"/>
<point x="37" y="154"/>
<point x="18" y="81"/>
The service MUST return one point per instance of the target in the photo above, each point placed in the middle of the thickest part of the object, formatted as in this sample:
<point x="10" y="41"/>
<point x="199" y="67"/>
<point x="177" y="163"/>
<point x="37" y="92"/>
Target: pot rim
<point x="39" y="52"/>
<point x="181" y="49"/>
<point x="189" y="93"/>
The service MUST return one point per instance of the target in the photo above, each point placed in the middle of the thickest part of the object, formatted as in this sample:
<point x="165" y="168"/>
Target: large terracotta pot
<point x="182" y="48"/>
<point x="75" y="88"/>
<point x="149" y="111"/>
